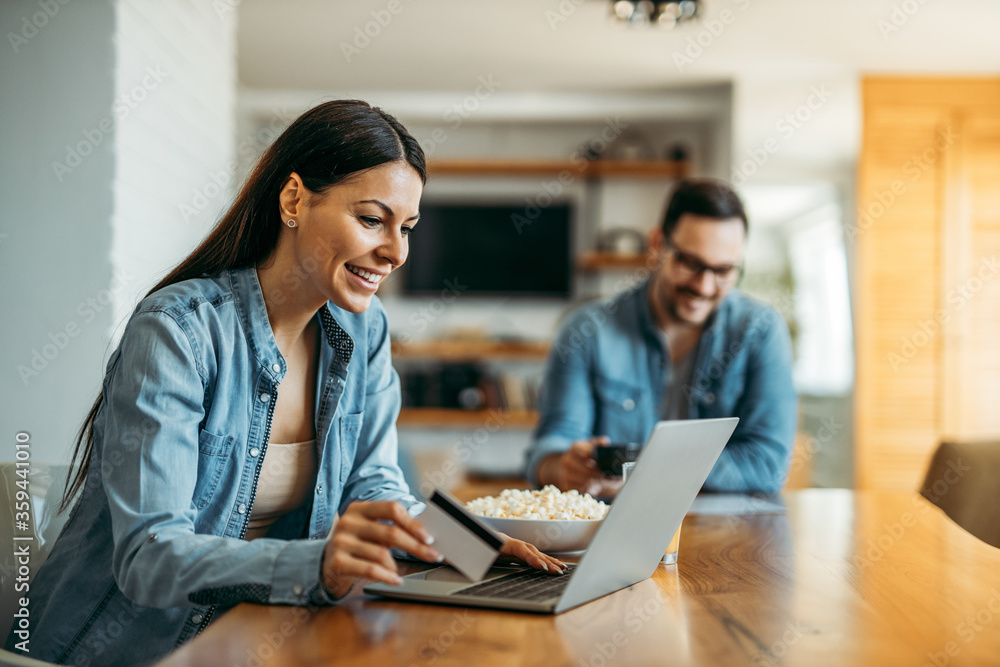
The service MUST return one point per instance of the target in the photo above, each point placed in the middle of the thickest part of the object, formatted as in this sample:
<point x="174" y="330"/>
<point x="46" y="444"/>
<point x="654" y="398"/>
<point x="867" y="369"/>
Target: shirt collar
<point x="253" y="314"/>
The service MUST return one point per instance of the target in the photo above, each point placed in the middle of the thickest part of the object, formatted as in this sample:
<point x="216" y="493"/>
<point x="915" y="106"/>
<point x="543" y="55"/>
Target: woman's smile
<point x="367" y="279"/>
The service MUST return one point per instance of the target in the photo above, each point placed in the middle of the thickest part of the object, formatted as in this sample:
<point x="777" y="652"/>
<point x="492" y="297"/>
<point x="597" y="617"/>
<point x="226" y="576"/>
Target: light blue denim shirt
<point x="605" y="376"/>
<point x="152" y="551"/>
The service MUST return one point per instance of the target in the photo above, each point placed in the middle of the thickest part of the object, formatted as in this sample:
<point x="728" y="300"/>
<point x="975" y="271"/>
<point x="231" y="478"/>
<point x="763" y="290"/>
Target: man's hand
<point x="576" y="469"/>
<point x="360" y="542"/>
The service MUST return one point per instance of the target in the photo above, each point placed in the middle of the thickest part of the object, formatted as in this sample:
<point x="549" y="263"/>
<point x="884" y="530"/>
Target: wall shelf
<point x="590" y="168"/>
<point x="466" y="419"/>
<point x="473" y="350"/>
<point x="609" y="261"/>
<point x="469" y="350"/>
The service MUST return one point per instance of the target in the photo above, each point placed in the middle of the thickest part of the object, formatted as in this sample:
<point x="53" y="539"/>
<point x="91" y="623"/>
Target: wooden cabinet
<point x="465" y="351"/>
<point x="587" y="168"/>
<point x="927" y="237"/>
<point x="485" y="351"/>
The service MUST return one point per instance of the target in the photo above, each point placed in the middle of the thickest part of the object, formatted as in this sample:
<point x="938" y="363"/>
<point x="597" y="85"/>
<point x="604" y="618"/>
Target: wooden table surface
<point x="844" y="578"/>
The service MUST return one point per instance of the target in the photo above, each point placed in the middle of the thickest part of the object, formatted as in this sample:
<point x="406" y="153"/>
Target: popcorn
<point x="548" y="504"/>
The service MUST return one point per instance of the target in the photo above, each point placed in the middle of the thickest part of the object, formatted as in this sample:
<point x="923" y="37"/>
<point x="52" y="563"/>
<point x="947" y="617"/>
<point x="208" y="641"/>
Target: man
<point x="683" y="345"/>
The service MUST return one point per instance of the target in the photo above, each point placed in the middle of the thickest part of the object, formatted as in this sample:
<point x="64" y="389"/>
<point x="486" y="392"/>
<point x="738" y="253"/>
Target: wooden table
<point x="844" y="578"/>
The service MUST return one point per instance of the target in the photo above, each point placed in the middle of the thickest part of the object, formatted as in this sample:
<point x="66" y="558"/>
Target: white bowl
<point x="551" y="536"/>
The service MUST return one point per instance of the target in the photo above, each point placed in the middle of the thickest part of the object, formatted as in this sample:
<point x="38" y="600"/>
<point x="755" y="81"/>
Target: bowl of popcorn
<point x="552" y="520"/>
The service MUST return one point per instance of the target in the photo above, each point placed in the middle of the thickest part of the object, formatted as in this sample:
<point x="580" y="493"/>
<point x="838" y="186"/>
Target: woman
<point x="251" y="400"/>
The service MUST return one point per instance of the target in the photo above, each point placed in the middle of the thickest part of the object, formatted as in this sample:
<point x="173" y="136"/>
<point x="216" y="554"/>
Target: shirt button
<point x="628" y="404"/>
<point x="297" y="589"/>
<point x="197" y="618"/>
<point x="710" y="397"/>
<point x="319" y="489"/>
<point x="242" y="509"/>
<point x="264" y="398"/>
<point x="276" y="368"/>
<point x="254" y="452"/>
<point x="152" y="537"/>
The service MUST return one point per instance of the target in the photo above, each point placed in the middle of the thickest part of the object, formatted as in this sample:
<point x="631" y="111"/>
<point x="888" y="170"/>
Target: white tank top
<point x="285" y="484"/>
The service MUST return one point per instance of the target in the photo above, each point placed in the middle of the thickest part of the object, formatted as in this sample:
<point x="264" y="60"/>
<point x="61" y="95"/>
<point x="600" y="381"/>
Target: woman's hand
<point x="360" y="542"/>
<point x="530" y="554"/>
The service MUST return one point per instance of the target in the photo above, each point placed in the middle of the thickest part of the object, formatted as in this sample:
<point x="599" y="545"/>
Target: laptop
<point x="625" y="550"/>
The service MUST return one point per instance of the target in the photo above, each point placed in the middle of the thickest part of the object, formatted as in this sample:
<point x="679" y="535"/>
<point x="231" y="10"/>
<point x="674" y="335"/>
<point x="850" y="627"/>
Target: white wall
<point x="174" y="150"/>
<point x="144" y="94"/>
<point x="56" y="91"/>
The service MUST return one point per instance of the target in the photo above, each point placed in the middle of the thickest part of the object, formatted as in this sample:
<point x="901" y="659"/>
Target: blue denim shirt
<point x="605" y="376"/>
<point x="152" y="550"/>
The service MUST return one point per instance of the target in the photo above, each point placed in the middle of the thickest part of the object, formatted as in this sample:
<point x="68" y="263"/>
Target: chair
<point x="963" y="480"/>
<point x="45" y="484"/>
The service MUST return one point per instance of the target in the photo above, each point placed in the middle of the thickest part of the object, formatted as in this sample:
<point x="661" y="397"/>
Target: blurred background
<point x="864" y="137"/>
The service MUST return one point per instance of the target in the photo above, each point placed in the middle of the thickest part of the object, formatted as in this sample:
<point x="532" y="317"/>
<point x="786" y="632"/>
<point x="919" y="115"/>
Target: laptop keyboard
<point x="532" y="585"/>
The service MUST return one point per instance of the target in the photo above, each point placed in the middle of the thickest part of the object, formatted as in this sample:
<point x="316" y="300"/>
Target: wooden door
<point x="927" y="239"/>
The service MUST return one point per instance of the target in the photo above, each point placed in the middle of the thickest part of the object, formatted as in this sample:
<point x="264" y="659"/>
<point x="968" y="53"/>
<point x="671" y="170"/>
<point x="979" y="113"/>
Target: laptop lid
<point x="649" y="509"/>
<point x="633" y="536"/>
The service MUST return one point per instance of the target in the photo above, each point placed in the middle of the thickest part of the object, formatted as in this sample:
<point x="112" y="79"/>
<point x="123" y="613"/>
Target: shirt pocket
<point x="620" y="407"/>
<point x="213" y="457"/>
<point x="721" y="396"/>
<point x="350" y="429"/>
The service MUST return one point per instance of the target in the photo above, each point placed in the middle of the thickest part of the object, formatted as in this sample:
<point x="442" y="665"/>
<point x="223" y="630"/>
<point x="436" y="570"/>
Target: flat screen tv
<point x="490" y="249"/>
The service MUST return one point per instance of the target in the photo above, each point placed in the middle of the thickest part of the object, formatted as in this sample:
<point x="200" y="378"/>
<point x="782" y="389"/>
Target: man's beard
<point x="674" y="312"/>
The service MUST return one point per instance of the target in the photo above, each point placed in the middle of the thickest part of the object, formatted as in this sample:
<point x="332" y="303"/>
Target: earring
<point x="290" y="223"/>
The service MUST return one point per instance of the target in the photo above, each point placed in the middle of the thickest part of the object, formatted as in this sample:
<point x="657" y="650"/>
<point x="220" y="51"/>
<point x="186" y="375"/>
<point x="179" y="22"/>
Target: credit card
<point x="467" y="544"/>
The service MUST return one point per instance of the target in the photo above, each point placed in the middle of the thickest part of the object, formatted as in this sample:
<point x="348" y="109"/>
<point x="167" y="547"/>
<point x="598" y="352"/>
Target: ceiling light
<point x="665" y="13"/>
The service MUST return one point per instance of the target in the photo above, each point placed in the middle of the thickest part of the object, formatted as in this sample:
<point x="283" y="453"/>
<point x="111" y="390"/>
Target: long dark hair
<point x="323" y="146"/>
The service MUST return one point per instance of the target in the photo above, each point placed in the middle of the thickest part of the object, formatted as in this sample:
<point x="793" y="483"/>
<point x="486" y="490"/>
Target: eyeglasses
<point x="690" y="266"/>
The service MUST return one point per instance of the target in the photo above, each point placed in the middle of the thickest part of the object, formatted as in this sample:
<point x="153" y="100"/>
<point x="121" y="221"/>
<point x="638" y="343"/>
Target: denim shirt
<point x="605" y="376"/>
<point x="152" y="551"/>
